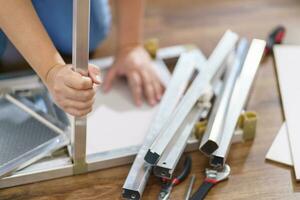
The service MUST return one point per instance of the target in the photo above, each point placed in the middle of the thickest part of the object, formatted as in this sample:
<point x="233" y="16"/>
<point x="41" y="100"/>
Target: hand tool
<point x="213" y="177"/>
<point x="168" y="184"/>
<point x="190" y="187"/>
<point x="275" y="37"/>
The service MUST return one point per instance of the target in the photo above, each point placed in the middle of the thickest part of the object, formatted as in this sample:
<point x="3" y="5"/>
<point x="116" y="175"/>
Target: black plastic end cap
<point x="130" y="194"/>
<point x="209" y="147"/>
<point x="151" y="157"/>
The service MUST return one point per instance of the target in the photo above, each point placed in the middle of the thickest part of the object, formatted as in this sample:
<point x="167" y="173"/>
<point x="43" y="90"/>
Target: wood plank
<point x="287" y="64"/>
<point x="280" y="149"/>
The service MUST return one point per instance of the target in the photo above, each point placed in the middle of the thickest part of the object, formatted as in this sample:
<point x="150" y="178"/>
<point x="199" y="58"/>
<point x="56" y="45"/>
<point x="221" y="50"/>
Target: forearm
<point x="130" y="16"/>
<point x="22" y="26"/>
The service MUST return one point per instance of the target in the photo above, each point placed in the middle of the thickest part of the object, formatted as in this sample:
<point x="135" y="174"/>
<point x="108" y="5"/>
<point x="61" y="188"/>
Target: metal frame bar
<point x="213" y="134"/>
<point x="238" y="99"/>
<point x="196" y="90"/>
<point x="137" y="178"/>
<point x="170" y="157"/>
<point x="80" y="59"/>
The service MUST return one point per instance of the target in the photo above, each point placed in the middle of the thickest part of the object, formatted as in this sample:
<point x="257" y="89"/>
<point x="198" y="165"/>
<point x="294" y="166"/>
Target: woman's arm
<point x="21" y="24"/>
<point x="132" y="60"/>
<point x="71" y="91"/>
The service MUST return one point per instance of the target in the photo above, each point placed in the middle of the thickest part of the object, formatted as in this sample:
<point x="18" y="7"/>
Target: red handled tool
<point x="168" y="184"/>
<point x="275" y="37"/>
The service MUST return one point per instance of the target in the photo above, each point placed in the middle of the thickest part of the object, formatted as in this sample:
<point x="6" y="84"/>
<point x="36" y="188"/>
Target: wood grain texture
<point x="203" y="22"/>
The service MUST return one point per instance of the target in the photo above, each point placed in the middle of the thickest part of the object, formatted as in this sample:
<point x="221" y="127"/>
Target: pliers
<point x="168" y="184"/>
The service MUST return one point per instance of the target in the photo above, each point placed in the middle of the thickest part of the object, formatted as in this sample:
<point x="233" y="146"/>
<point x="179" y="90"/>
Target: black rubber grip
<point x="202" y="191"/>
<point x="186" y="170"/>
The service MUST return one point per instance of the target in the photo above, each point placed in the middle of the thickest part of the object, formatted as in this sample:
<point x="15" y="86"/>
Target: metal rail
<point x="137" y="178"/>
<point x="213" y="134"/>
<point x="80" y="59"/>
<point x="238" y="100"/>
<point x="194" y="92"/>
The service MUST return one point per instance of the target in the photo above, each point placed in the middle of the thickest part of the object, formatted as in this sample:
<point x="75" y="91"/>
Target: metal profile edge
<point x="169" y="159"/>
<point x="197" y="88"/>
<point x="238" y="99"/>
<point x="137" y="178"/>
<point x="80" y="59"/>
<point x="213" y="134"/>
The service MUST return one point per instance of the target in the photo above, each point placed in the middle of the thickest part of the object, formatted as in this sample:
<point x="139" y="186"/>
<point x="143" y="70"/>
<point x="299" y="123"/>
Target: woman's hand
<point x="135" y="64"/>
<point x="72" y="91"/>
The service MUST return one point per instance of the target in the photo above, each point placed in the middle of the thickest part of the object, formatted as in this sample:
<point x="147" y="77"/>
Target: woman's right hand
<point x="72" y="91"/>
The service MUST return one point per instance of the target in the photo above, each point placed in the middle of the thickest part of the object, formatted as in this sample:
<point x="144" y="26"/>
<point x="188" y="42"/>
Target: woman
<point x="40" y="29"/>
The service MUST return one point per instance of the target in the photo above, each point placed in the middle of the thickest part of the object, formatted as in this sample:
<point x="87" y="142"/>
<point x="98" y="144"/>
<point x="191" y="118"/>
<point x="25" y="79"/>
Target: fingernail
<point x="158" y="97"/>
<point x="138" y="103"/>
<point x="152" y="102"/>
<point x="99" y="79"/>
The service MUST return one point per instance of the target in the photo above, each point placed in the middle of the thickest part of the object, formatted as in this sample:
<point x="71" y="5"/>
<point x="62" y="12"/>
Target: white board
<point x="116" y="122"/>
<point x="288" y="70"/>
<point x="280" y="148"/>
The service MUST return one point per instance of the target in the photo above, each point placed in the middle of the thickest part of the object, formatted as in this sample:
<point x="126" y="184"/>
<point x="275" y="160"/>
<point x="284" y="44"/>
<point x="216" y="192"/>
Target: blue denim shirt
<point x="56" y="16"/>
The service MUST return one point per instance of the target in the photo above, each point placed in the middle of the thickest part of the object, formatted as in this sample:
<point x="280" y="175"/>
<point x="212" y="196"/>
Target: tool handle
<point x="202" y="191"/>
<point x="185" y="172"/>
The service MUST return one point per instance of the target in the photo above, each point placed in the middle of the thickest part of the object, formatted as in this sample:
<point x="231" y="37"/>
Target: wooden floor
<point x="203" y="22"/>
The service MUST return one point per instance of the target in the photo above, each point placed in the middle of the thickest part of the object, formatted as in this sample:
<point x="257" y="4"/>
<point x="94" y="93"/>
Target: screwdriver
<point x="275" y="37"/>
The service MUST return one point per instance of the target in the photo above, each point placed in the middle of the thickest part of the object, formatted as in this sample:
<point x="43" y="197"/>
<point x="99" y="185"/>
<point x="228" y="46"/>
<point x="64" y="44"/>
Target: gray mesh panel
<point x="19" y="132"/>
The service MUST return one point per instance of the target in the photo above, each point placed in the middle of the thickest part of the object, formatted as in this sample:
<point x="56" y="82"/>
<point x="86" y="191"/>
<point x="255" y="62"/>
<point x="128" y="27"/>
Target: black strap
<point x="202" y="191"/>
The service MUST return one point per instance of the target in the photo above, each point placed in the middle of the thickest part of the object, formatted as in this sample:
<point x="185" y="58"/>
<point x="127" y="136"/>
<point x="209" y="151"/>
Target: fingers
<point x="78" y="82"/>
<point x="79" y="96"/>
<point x="78" y="113"/>
<point x="148" y="86"/>
<point x="109" y="79"/>
<point x="158" y="88"/>
<point x="135" y="84"/>
<point x="79" y="105"/>
<point x="94" y="74"/>
<point x="153" y="88"/>
<point x="72" y="92"/>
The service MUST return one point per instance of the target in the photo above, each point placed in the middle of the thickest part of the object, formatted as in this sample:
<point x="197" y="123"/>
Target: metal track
<point x="195" y="91"/>
<point x="238" y="99"/>
<point x="169" y="159"/>
<point x="137" y="178"/>
<point x="80" y="59"/>
<point x="213" y="134"/>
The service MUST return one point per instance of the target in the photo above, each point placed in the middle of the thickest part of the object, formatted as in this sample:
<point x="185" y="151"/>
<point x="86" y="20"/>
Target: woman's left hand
<point x="135" y="64"/>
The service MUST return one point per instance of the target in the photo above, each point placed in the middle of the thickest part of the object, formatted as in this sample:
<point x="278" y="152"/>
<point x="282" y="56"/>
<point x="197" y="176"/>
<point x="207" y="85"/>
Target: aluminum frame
<point x="52" y="168"/>
<point x="197" y="89"/>
<point x="137" y="178"/>
<point x="80" y="60"/>
<point x="238" y="99"/>
<point x="213" y="134"/>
